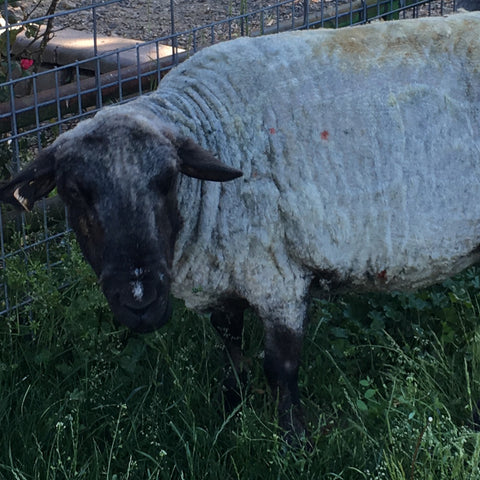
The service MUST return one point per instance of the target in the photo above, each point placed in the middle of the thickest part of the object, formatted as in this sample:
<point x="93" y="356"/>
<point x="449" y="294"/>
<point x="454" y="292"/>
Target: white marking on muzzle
<point x="137" y="290"/>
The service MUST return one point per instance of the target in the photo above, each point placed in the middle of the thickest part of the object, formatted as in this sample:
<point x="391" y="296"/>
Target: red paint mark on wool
<point x="272" y="131"/>
<point x="324" y="135"/>
<point x="382" y="275"/>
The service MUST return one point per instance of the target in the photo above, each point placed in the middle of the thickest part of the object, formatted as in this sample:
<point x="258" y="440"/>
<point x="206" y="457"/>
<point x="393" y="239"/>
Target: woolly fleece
<point x="360" y="152"/>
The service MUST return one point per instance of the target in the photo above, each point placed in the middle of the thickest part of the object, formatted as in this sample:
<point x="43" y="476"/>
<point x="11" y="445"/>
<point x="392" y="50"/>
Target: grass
<point x="389" y="384"/>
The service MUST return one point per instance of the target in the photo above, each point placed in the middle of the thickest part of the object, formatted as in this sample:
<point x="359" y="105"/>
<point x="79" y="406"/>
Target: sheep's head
<point x="116" y="174"/>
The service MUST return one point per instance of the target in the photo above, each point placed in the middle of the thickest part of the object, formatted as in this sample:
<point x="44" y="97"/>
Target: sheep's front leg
<point x="229" y="324"/>
<point x="282" y="359"/>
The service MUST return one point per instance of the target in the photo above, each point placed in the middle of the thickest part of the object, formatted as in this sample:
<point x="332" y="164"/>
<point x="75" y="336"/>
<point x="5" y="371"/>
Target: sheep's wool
<point x="360" y="150"/>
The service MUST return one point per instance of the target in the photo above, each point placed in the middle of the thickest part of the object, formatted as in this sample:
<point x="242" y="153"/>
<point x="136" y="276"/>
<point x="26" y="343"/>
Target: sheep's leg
<point x="229" y="325"/>
<point x="282" y="359"/>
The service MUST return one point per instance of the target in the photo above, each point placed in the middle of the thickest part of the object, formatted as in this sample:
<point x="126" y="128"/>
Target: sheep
<point x="266" y="169"/>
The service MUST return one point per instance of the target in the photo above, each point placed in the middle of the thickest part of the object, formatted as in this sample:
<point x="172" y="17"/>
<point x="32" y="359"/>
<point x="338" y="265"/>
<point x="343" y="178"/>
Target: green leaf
<point x="370" y="393"/>
<point x="361" y="405"/>
<point x="339" y="332"/>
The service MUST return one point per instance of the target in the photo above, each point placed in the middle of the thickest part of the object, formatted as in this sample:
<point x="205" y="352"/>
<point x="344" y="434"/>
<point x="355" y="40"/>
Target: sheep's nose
<point x="133" y="293"/>
<point x="140" y="295"/>
<point x="139" y="300"/>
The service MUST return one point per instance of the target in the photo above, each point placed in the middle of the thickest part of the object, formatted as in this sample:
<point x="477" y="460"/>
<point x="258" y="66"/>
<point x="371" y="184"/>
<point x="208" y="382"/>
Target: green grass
<point x="388" y="382"/>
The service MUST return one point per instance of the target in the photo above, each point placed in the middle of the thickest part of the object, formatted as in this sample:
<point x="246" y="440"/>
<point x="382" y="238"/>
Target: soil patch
<point x="150" y="19"/>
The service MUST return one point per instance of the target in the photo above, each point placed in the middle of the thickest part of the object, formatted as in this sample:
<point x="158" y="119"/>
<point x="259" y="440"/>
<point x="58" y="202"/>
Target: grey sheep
<point x="359" y="150"/>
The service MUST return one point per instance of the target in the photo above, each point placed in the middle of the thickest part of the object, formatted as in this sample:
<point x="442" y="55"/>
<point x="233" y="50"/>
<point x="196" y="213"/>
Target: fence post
<point x="306" y="13"/>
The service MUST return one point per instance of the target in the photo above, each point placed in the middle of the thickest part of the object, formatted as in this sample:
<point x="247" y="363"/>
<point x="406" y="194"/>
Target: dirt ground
<point x="150" y="19"/>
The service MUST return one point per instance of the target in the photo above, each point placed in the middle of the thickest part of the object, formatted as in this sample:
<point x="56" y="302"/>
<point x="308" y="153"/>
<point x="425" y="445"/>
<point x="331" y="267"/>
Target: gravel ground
<point x="150" y="19"/>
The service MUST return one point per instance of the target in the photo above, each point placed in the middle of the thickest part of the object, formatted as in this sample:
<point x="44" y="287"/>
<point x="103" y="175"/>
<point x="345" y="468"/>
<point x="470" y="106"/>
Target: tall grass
<point x="389" y="384"/>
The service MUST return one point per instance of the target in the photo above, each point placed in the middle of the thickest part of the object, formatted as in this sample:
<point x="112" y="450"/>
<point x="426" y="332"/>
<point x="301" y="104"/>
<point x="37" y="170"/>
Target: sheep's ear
<point x="35" y="181"/>
<point x="199" y="163"/>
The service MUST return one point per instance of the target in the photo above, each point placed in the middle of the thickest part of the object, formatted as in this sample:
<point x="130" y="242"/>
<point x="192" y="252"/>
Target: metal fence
<point x="52" y="76"/>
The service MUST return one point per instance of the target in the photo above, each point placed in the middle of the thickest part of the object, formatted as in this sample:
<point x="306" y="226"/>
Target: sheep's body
<point x="360" y="157"/>
<point x="360" y="151"/>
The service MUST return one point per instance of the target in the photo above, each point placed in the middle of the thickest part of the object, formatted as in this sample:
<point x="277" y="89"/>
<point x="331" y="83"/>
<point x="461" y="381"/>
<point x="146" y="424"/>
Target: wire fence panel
<point x="52" y="76"/>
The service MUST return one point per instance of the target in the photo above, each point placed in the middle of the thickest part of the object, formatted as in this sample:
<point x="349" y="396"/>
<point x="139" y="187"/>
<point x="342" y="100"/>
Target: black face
<point x="117" y="175"/>
<point x="132" y="257"/>
<point x="126" y="224"/>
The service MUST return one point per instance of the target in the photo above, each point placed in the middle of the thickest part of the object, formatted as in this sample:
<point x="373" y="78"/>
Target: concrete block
<point x="69" y="46"/>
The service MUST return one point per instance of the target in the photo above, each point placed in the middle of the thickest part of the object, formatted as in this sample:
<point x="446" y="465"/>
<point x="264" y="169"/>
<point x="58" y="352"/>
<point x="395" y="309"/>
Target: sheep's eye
<point x="78" y="193"/>
<point x="74" y="193"/>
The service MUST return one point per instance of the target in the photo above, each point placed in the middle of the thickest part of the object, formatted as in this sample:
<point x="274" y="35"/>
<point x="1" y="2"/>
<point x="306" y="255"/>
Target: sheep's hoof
<point x="293" y="424"/>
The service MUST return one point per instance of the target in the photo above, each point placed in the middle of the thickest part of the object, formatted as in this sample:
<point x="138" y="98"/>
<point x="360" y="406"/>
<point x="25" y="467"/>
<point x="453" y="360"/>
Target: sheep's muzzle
<point x="141" y="304"/>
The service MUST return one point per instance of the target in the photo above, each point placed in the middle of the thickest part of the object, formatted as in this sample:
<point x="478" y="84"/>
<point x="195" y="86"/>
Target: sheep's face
<point x="118" y="187"/>
<point x="117" y="176"/>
